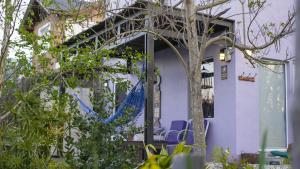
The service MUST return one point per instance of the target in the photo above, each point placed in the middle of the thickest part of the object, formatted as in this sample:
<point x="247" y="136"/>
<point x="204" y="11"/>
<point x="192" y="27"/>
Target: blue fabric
<point x="133" y="102"/>
<point x="84" y="107"/>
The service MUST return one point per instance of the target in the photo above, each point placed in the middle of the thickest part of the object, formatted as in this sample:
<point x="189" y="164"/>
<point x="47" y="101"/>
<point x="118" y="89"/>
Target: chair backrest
<point x="190" y="136"/>
<point x="176" y="127"/>
<point x="172" y="137"/>
<point x="206" y="125"/>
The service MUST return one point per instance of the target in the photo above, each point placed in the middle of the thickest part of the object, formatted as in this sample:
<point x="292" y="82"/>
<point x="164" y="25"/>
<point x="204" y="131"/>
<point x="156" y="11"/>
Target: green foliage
<point x="45" y="128"/>
<point x="99" y="144"/>
<point x="223" y="156"/>
<point x="162" y="160"/>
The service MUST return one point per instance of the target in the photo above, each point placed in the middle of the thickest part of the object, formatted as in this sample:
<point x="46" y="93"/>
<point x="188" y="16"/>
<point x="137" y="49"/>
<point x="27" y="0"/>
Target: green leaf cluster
<point x="163" y="160"/>
<point x="45" y="127"/>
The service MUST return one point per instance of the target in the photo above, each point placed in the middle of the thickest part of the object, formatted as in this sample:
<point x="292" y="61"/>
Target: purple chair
<point x="172" y="137"/>
<point x="189" y="138"/>
<point x="177" y="126"/>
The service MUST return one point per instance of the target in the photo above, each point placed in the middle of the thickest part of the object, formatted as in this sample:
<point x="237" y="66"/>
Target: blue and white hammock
<point x="134" y="103"/>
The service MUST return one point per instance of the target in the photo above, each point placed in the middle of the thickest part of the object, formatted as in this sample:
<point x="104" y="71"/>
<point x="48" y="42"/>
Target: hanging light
<point x="222" y="55"/>
<point x="225" y="54"/>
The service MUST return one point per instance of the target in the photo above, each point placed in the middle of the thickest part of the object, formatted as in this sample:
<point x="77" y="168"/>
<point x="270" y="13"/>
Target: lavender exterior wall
<point x="247" y="109"/>
<point x="247" y="93"/>
<point x="174" y="87"/>
<point x="222" y="131"/>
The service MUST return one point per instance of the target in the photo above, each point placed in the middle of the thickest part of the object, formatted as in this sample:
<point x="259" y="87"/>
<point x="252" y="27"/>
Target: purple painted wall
<point x="247" y="93"/>
<point x="247" y="108"/>
<point x="174" y="87"/>
<point x="222" y="131"/>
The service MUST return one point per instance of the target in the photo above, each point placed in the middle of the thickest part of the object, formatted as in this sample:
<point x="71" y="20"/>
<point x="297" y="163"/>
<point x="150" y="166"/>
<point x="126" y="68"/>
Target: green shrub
<point x="162" y="160"/>
<point x="223" y="156"/>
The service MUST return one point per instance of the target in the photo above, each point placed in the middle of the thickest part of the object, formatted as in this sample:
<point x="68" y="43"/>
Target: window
<point x="272" y="105"/>
<point x="208" y="88"/>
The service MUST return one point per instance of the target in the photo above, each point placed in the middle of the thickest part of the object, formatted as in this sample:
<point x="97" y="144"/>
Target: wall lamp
<point x="225" y="54"/>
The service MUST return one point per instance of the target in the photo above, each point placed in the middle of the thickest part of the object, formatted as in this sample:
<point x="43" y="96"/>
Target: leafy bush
<point x="45" y="120"/>
<point x="100" y="146"/>
<point x="162" y="160"/>
<point x="223" y="156"/>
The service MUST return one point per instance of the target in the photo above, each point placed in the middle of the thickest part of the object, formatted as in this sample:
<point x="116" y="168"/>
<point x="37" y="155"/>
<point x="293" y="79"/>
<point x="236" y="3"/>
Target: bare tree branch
<point x="211" y="5"/>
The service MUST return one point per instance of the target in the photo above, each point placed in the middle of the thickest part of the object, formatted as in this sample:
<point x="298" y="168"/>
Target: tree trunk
<point x="197" y="114"/>
<point x="195" y="59"/>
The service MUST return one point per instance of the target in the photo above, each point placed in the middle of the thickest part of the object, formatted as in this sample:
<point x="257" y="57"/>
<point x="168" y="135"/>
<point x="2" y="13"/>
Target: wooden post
<point x="148" y="124"/>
